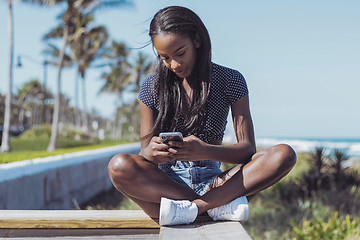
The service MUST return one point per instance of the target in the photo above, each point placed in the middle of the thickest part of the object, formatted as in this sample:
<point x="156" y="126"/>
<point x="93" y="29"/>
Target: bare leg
<point x="265" y="169"/>
<point x="144" y="183"/>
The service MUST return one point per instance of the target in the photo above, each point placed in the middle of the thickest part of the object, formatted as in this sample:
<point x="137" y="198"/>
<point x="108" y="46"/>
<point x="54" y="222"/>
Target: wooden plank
<point x="44" y="234"/>
<point x="205" y="230"/>
<point x="108" y="224"/>
<point x="76" y="219"/>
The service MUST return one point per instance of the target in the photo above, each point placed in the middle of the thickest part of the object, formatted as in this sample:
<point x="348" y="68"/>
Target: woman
<point x="177" y="181"/>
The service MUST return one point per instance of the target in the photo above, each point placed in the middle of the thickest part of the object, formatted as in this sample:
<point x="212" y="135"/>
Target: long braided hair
<point x="168" y="86"/>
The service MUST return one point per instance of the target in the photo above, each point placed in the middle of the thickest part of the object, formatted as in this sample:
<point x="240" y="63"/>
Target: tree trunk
<point x="55" y="121"/>
<point x="120" y="127"/>
<point x="5" y="144"/>
<point x="77" y="111"/>
<point x="38" y="114"/>
<point x="85" y="114"/>
<point x="21" y="116"/>
<point x="44" y="107"/>
<point x="114" y="127"/>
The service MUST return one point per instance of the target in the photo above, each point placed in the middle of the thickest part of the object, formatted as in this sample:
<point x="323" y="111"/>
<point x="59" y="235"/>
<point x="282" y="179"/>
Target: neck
<point x="188" y="89"/>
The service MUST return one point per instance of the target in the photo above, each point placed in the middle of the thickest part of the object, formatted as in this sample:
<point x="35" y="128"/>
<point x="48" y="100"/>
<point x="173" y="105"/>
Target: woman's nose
<point x="174" y="65"/>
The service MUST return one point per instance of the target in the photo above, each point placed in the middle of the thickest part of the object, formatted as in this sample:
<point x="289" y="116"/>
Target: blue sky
<point x="301" y="59"/>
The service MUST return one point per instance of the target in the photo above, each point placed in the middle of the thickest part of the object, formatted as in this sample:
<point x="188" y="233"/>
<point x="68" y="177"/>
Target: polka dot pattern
<point x="227" y="86"/>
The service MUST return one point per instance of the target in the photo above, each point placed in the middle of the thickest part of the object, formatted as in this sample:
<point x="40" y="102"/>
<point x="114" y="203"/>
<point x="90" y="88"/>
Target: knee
<point x="121" y="167"/>
<point x="284" y="156"/>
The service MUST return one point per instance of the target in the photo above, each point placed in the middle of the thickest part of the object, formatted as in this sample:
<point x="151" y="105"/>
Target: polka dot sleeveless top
<point x="227" y="86"/>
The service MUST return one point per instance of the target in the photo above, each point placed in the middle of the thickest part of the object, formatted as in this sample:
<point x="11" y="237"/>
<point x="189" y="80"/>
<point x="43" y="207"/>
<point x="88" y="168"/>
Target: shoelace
<point x="180" y="206"/>
<point x="226" y="209"/>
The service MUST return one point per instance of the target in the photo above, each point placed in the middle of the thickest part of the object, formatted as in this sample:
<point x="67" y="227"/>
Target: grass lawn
<point x="29" y="148"/>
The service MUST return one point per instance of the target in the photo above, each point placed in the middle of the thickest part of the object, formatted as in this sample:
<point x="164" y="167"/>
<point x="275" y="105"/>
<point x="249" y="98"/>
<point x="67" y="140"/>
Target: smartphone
<point x="171" y="136"/>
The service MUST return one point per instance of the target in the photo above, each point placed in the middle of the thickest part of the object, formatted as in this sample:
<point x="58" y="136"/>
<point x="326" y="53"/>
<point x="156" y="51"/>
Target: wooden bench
<point x="108" y="224"/>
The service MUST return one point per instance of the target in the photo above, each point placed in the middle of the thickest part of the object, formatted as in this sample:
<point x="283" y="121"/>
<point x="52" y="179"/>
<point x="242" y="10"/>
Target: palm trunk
<point x="77" y="105"/>
<point x="85" y="114"/>
<point x="43" y="108"/>
<point x="120" y="127"/>
<point x="5" y="144"/>
<point x="55" y="121"/>
<point x="115" y="124"/>
<point x="21" y="116"/>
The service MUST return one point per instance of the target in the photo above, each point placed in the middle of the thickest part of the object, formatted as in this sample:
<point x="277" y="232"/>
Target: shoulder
<point x="220" y="71"/>
<point x="147" y="92"/>
<point x="231" y="81"/>
<point x="148" y="84"/>
<point x="148" y="81"/>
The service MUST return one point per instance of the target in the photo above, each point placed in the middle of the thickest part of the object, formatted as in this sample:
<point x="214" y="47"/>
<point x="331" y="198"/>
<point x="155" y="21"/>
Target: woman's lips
<point x="180" y="72"/>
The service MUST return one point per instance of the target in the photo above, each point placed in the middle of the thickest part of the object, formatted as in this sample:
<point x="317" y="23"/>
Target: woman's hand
<point x="157" y="151"/>
<point x="191" y="149"/>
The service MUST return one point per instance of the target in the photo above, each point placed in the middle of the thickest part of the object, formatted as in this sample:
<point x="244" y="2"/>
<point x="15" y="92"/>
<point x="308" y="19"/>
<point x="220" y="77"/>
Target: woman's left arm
<point x="240" y="152"/>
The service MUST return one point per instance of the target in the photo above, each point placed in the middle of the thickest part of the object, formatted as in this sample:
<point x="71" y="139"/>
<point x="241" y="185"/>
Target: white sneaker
<point x="173" y="212"/>
<point x="236" y="210"/>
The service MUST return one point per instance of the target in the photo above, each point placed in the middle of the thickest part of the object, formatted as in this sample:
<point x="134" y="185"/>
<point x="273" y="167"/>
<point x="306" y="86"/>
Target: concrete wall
<point x="57" y="182"/>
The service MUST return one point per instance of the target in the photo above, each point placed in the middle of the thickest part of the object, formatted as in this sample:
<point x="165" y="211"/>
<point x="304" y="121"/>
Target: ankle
<point x="201" y="205"/>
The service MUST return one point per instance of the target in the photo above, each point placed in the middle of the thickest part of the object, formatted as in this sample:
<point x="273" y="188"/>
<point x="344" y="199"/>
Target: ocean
<point x="350" y="145"/>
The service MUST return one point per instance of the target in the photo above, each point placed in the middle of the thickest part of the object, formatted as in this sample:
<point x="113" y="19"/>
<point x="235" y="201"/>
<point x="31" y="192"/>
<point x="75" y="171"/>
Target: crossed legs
<point x="145" y="184"/>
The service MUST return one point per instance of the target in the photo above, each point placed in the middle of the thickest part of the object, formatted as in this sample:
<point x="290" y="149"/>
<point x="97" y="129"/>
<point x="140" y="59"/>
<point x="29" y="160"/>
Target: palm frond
<point x="95" y="5"/>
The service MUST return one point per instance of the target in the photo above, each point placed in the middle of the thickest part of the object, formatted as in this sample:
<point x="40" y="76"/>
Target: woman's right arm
<point x="147" y="124"/>
<point x="151" y="148"/>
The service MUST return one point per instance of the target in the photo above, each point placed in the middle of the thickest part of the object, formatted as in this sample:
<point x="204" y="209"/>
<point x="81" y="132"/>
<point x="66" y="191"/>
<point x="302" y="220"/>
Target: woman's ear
<point x="197" y="41"/>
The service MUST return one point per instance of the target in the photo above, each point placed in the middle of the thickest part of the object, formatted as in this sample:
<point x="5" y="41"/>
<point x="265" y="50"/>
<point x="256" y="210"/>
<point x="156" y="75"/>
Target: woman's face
<point x="177" y="53"/>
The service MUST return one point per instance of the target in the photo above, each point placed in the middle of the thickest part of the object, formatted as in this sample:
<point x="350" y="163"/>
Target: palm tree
<point x="53" y="52"/>
<point x="77" y="110"/>
<point x="31" y="98"/>
<point x="85" y="44"/>
<point x="2" y="110"/>
<point x="119" y="78"/>
<point x="73" y="6"/>
<point x="142" y="68"/>
<point x="5" y="143"/>
<point x="67" y="21"/>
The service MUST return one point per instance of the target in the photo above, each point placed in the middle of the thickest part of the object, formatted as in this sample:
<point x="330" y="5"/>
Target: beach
<point x="350" y="145"/>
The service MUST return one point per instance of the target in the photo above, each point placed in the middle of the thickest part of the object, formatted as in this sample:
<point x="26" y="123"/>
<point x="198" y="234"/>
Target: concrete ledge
<point x="58" y="182"/>
<point x="205" y="230"/>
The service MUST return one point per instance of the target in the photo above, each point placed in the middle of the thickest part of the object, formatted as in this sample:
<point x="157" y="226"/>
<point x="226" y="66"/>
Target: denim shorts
<point x="196" y="175"/>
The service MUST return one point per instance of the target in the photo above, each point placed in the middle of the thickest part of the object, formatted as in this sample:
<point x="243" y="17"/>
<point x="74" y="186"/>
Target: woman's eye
<point x="181" y="54"/>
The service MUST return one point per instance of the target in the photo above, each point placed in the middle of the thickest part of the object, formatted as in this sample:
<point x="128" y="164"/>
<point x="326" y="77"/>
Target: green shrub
<point x="39" y="131"/>
<point x="354" y="235"/>
<point x="38" y="138"/>
<point x="317" y="228"/>
<point x="66" y="132"/>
